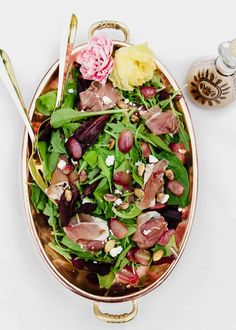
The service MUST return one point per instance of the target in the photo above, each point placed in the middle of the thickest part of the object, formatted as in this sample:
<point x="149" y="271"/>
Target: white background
<point x="201" y="292"/>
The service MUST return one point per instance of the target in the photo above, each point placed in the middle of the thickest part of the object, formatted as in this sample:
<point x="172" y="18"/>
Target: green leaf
<point x="154" y="140"/>
<point x="57" y="143"/>
<point x="181" y="175"/>
<point x="51" y="211"/>
<point x="60" y="250"/>
<point x="166" y="248"/>
<point x="46" y="103"/>
<point x="70" y="94"/>
<point x="131" y="212"/>
<point x="91" y="157"/>
<point x="42" y="147"/>
<point x="68" y="129"/>
<point x="183" y="136"/>
<point x="106" y="281"/>
<point x="105" y="170"/>
<point x="100" y="191"/>
<point x="52" y="161"/>
<point x="65" y="116"/>
<point x="122" y="255"/>
<point x="38" y="197"/>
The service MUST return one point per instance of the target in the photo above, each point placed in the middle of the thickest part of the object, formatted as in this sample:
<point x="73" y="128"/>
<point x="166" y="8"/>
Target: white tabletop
<point x="201" y="291"/>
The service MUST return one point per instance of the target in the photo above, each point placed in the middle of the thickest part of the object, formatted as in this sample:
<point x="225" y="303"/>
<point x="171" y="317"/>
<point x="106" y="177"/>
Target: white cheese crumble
<point x="110" y="160"/>
<point x="127" y="171"/>
<point x="117" y="192"/>
<point x="115" y="251"/>
<point x="152" y="159"/>
<point x="71" y="91"/>
<point x="138" y="163"/>
<point x="106" y="100"/>
<point x="126" y="101"/>
<point x="87" y="200"/>
<point x="180" y="209"/>
<point x="61" y="164"/>
<point x="146" y="232"/>
<point x="165" y="199"/>
<point x="74" y="162"/>
<point x="118" y="202"/>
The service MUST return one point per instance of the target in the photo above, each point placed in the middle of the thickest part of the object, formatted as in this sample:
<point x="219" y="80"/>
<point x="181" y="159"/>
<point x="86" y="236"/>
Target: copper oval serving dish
<point x="62" y="269"/>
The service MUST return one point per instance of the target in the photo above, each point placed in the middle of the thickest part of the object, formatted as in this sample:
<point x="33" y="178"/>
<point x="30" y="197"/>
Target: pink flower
<point x="95" y="59"/>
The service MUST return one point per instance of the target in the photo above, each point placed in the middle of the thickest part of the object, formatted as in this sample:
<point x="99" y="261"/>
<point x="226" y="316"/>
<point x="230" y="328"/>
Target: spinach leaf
<point x="121" y="257"/>
<point x="38" y="197"/>
<point x="132" y="212"/>
<point x="51" y="211"/>
<point x="91" y="157"/>
<point x="46" y="103"/>
<point x="51" y="161"/>
<point x="183" y="136"/>
<point x="106" y="281"/>
<point x="105" y="170"/>
<point x="181" y="175"/>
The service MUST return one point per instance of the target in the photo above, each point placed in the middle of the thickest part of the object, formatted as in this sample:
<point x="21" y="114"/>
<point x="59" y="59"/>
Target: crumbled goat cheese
<point x="115" y="251"/>
<point x="165" y="199"/>
<point x="117" y="192"/>
<point x="61" y="164"/>
<point x="71" y="91"/>
<point x="118" y="202"/>
<point x="138" y="163"/>
<point x="87" y="200"/>
<point x="146" y="232"/>
<point x="127" y="171"/>
<point x="180" y="209"/>
<point x="126" y="101"/>
<point x="110" y="160"/>
<point x="152" y="159"/>
<point x="106" y="100"/>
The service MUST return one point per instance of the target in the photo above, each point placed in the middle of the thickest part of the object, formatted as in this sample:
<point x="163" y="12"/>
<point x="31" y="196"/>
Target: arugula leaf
<point x="106" y="281"/>
<point x="100" y="191"/>
<point x="68" y="129"/>
<point x="46" y="103"/>
<point x="64" y="252"/>
<point x="181" y="175"/>
<point x="51" y="211"/>
<point x="65" y="116"/>
<point x="153" y="139"/>
<point x="122" y="255"/>
<point x="57" y="144"/>
<point x="70" y="94"/>
<point x="183" y="136"/>
<point x="38" y="197"/>
<point x="105" y="170"/>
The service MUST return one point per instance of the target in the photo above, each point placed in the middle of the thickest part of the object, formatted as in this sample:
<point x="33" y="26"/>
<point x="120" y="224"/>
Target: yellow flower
<point x="133" y="66"/>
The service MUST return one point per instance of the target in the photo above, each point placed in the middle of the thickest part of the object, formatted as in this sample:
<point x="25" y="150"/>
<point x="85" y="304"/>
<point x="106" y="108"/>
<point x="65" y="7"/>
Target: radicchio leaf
<point x="88" y="132"/>
<point x="90" y="188"/>
<point x="87" y="208"/>
<point x="67" y="209"/>
<point x="171" y="215"/>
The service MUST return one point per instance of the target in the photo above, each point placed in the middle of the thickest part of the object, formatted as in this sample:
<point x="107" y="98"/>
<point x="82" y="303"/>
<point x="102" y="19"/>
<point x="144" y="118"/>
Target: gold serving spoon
<point x="9" y="79"/>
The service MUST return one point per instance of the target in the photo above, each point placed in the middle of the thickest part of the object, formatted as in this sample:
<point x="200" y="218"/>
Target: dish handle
<point x="115" y="318"/>
<point x="109" y="25"/>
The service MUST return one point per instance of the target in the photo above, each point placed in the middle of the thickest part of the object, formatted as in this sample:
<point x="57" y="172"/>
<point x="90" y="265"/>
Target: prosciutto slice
<point x="154" y="183"/>
<point x="88" y="228"/>
<point x="161" y="122"/>
<point x="99" y="97"/>
<point x="150" y="228"/>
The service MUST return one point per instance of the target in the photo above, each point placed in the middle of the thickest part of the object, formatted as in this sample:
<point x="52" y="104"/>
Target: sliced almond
<point x="157" y="255"/>
<point x="123" y="206"/>
<point x="111" y="143"/>
<point x="141" y="169"/>
<point x="139" y="193"/>
<point x="68" y="195"/>
<point x="170" y="174"/>
<point x="109" y="198"/>
<point x="109" y="245"/>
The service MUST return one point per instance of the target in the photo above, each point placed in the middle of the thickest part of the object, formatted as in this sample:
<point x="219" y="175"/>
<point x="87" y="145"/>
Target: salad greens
<point x="98" y="165"/>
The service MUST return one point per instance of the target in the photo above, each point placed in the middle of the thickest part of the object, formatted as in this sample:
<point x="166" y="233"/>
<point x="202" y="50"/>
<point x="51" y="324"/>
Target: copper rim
<point x="37" y="241"/>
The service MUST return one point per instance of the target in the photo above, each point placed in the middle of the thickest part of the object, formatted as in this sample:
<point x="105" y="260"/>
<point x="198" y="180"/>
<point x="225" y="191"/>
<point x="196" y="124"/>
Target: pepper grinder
<point x="212" y="80"/>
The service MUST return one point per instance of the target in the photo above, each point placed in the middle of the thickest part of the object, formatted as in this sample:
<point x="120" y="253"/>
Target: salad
<point x="116" y="157"/>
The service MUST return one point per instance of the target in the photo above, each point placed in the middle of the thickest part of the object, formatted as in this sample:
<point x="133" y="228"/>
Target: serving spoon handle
<point x="67" y="38"/>
<point x="8" y="77"/>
